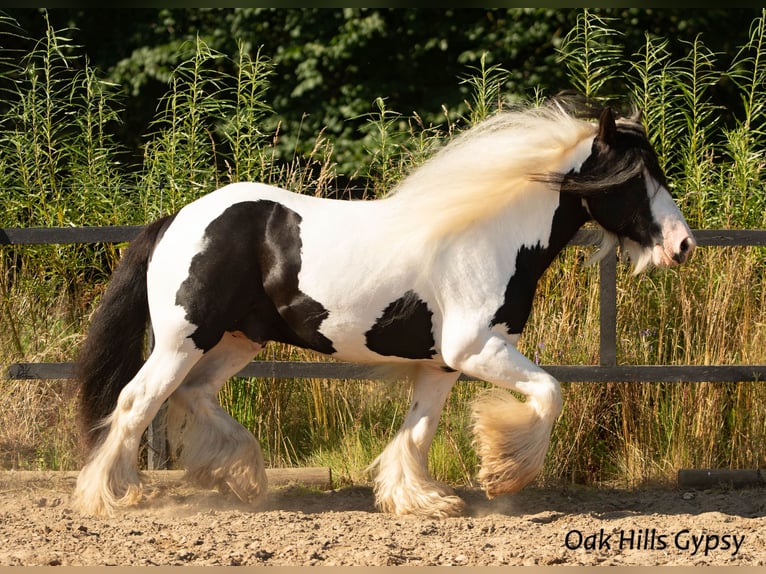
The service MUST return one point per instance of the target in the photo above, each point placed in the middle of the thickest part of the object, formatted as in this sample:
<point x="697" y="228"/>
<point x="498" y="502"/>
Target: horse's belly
<point x="386" y="325"/>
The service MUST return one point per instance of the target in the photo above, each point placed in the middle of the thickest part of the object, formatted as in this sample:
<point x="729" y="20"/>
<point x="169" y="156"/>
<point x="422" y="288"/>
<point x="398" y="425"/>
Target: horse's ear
<point x="607" y="129"/>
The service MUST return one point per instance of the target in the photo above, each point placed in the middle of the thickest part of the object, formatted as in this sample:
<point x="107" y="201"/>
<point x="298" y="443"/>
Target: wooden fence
<point x="607" y="370"/>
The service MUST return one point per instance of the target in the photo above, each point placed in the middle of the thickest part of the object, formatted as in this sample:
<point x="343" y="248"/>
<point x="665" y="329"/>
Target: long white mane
<point x="485" y="168"/>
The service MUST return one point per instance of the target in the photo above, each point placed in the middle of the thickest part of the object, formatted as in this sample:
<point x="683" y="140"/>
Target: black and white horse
<point x="433" y="280"/>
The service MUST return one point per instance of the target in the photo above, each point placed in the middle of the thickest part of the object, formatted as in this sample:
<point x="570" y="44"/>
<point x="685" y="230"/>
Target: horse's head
<point x="625" y="192"/>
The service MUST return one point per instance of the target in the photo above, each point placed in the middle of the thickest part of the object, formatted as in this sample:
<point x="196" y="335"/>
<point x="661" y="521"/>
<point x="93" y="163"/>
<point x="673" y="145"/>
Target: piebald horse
<point x="433" y="280"/>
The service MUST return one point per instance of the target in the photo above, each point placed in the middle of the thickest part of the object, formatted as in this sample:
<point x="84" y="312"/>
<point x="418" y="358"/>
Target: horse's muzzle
<point x="674" y="250"/>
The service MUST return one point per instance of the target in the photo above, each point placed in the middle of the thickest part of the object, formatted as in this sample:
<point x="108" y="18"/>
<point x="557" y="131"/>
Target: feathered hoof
<point x="511" y="439"/>
<point x="249" y="488"/>
<point x="507" y="466"/>
<point x="247" y="483"/>
<point x="440" y="502"/>
<point x="104" y="503"/>
<point x="506" y="481"/>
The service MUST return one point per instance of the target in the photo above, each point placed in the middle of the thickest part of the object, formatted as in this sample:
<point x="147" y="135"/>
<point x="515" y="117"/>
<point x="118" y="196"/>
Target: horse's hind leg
<point x="110" y="478"/>
<point x="215" y="450"/>
<point x="403" y="484"/>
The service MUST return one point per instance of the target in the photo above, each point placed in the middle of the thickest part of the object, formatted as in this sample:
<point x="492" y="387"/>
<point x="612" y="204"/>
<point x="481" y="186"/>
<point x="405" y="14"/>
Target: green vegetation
<point x="61" y="165"/>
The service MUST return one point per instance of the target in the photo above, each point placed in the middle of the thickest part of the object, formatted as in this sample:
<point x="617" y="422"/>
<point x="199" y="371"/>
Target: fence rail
<point x="337" y="370"/>
<point x="607" y="371"/>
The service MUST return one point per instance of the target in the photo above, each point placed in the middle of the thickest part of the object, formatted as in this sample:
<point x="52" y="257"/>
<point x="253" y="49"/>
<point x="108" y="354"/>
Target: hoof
<point x="103" y="503"/>
<point x="506" y="482"/>
<point x="511" y="439"/>
<point x="247" y="483"/>
<point x="440" y="502"/>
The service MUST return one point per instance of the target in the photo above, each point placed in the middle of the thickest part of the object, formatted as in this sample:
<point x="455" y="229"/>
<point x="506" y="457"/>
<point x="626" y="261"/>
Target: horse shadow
<point x="536" y="504"/>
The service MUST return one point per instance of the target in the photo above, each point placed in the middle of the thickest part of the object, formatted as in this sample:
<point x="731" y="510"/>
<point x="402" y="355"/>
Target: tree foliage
<point x="330" y="66"/>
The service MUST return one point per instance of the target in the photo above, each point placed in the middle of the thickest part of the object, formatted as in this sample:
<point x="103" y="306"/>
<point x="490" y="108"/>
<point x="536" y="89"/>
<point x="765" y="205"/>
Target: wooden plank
<point x="658" y="373"/>
<point x="41" y="371"/>
<point x="730" y="237"/>
<point x="711" y="478"/>
<point x="569" y="373"/>
<point x="121" y="233"/>
<point x="314" y="477"/>
<point x="306" y="370"/>
<point x="62" y="235"/>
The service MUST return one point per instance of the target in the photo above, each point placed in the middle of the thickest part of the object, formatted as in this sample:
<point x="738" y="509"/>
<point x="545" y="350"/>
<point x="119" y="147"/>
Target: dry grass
<point x="39" y="430"/>
<point x="709" y="312"/>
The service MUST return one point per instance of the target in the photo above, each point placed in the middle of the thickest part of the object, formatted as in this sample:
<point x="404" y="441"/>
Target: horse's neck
<point x="548" y="233"/>
<point x="529" y="262"/>
<point x="567" y="220"/>
<point x="522" y="240"/>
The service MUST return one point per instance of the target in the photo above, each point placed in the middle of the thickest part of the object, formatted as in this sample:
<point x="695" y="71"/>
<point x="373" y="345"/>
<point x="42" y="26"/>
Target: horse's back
<point x="276" y="265"/>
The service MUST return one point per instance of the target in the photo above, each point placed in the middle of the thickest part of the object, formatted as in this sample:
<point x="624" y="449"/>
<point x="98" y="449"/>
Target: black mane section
<point x="609" y="166"/>
<point x="582" y="107"/>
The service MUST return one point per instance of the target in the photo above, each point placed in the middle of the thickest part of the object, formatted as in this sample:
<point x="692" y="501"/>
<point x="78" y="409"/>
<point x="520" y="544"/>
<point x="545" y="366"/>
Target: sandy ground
<point x="298" y="526"/>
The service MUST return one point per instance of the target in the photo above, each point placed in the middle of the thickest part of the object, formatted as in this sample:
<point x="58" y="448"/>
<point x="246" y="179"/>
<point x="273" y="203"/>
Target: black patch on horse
<point x="246" y="279"/>
<point x="531" y="263"/>
<point x="404" y="329"/>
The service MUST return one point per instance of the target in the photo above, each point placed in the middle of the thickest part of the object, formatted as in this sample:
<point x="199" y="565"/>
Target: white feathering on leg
<point x="511" y="438"/>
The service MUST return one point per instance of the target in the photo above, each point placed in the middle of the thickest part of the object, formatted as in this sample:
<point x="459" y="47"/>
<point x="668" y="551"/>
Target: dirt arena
<point x="300" y="526"/>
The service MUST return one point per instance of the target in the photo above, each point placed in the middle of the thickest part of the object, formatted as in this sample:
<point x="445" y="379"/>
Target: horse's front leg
<point x="511" y="436"/>
<point x="403" y="484"/>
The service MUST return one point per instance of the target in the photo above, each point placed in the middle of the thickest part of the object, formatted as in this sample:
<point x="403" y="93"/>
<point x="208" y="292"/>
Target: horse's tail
<point x="113" y="350"/>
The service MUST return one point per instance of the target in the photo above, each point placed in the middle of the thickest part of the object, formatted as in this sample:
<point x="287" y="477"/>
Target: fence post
<point x="157" y="450"/>
<point x="607" y="277"/>
<point x="156" y="436"/>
